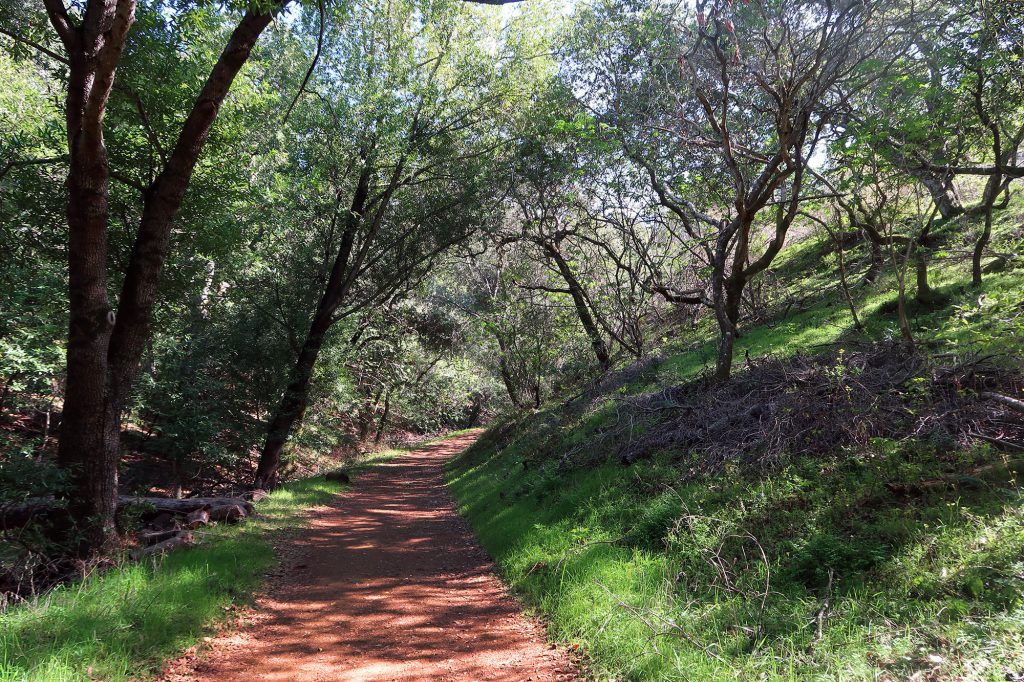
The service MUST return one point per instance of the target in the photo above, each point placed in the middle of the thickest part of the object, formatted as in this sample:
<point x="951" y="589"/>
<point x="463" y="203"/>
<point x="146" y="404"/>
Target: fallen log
<point x="40" y="508"/>
<point x="1006" y="400"/>
<point x="230" y="513"/>
<point x="182" y="539"/>
<point x="18" y="515"/>
<point x="200" y="517"/>
<point x="185" y="505"/>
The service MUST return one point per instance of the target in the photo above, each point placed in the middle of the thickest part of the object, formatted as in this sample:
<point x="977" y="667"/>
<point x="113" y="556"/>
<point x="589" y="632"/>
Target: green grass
<point x="122" y="623"/>
<point x="657" y="575"/>
<point x="622" y="562"/>
<point x="989" y="316"/>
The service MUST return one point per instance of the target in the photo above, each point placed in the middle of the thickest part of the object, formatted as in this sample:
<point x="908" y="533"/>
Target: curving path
<point x="391" y="586"/>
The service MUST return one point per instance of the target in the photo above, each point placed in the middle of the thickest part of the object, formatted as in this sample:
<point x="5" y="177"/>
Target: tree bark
<point x="727" y="315"/>
<point x="505" y="371"/>
<point x="580" y="302"/>
<point x="383" y="423"/>
<point x="296" y="396"/>
<point x="925" y="294"/>
<point x="104" y="346"/>
<point x="94" y="49"/>
<point x="940" y="187"/>
<point x="845" y="286"/>
<point x="293" y="405"/>
<point x="726" y="328"/>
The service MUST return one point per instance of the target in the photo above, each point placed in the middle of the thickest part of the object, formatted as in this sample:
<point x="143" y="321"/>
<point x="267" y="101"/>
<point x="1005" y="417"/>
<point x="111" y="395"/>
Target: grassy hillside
<point x="865" y="552"/>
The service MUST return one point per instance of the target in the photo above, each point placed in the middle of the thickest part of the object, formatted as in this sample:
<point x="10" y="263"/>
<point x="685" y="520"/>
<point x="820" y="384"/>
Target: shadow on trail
<point x="393" y="587"/>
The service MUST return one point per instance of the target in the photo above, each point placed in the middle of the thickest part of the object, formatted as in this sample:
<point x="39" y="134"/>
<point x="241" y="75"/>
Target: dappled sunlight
<point x="391" y="586"/>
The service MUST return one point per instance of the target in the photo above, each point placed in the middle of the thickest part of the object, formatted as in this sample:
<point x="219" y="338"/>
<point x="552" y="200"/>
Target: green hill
<point x="845" y="510"/>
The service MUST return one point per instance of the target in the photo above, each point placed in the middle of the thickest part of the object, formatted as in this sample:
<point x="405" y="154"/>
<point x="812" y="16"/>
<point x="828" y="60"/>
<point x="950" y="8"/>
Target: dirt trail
<point x="390" y="586"/>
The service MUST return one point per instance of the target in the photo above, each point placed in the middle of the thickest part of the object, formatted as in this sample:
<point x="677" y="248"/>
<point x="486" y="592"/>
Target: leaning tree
<point x="406" y="135"/>
<point x="106" y="340"/>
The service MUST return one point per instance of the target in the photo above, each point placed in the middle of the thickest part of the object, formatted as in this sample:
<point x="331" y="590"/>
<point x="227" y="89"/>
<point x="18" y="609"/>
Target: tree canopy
<point x="240" y="238"/>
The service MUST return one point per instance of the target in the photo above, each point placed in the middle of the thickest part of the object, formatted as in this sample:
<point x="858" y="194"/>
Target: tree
<point x="725" y="108"/>
<point x="106" y="341"/>
<point x="417" y="181"/>
<point x="552" y="209"/>
<point x="948" y="109"/>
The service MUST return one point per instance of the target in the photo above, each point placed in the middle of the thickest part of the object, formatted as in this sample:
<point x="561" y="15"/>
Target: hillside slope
<point x="845" y="509"/>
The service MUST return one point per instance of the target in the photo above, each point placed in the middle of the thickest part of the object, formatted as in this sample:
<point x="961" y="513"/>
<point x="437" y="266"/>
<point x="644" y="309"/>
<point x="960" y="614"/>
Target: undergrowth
<point x="124" y="622"/>
<point x="659" y="578"/>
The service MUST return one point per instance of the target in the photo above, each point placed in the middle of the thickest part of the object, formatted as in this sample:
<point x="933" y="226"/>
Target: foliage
<point x="656" y="571"/>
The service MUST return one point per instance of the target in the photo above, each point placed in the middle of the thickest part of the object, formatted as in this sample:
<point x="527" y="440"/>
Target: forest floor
<point x="388" y="583"/>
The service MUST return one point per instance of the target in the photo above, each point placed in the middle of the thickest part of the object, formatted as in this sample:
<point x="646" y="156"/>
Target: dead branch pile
<point x="814" y="405"/>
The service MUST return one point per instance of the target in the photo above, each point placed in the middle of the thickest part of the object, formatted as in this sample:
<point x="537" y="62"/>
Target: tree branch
<point x="34" y="45"/>
<point x="312" y="65"/>
<point x="7" y="167"/>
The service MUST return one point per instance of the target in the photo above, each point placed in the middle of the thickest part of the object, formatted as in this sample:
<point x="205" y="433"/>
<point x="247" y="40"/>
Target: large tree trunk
<point x="104" y="346"/>
<point x="942" y="192"/>
<point x="922" y="252"/>
<point x="94" y="50"/>
<point x="727" y="291"/>
<point x="84" y="450"/>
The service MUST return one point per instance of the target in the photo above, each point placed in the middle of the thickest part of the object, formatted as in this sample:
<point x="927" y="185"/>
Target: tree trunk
<point x="505" y="371"/>
<point x="942" y="193"/>
<point x="366" y="413"/>
<point x="901" y="268"/>
<point x="876" y="263"/>
<point x="293" y="405"/>
<point x="296" y="396"/>
<point x="89" y="448"/>
<point x="901" y="311"/>
<point x="582" y="309"/>
<point x="844" y="283"/>
<point x="104" y="347"/>
<point x="925" y="294"/>
<point x="727" y="313"/>
<point x="383" y="423"/>
<point x="979" y="247"/>
<point x="726" y="341"/>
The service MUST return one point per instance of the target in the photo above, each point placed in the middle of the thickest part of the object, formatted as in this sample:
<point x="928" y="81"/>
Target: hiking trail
<point x="388" y="584"/>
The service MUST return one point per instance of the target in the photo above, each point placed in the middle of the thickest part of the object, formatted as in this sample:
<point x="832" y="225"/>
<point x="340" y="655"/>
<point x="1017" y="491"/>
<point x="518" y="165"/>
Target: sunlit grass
<point x="620" y="562"/>
<point x="124" y="622"/>
<point x="656" y="576"/>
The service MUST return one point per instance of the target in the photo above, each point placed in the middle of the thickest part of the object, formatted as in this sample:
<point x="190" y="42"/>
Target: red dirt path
<point x="390" y="586"/>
